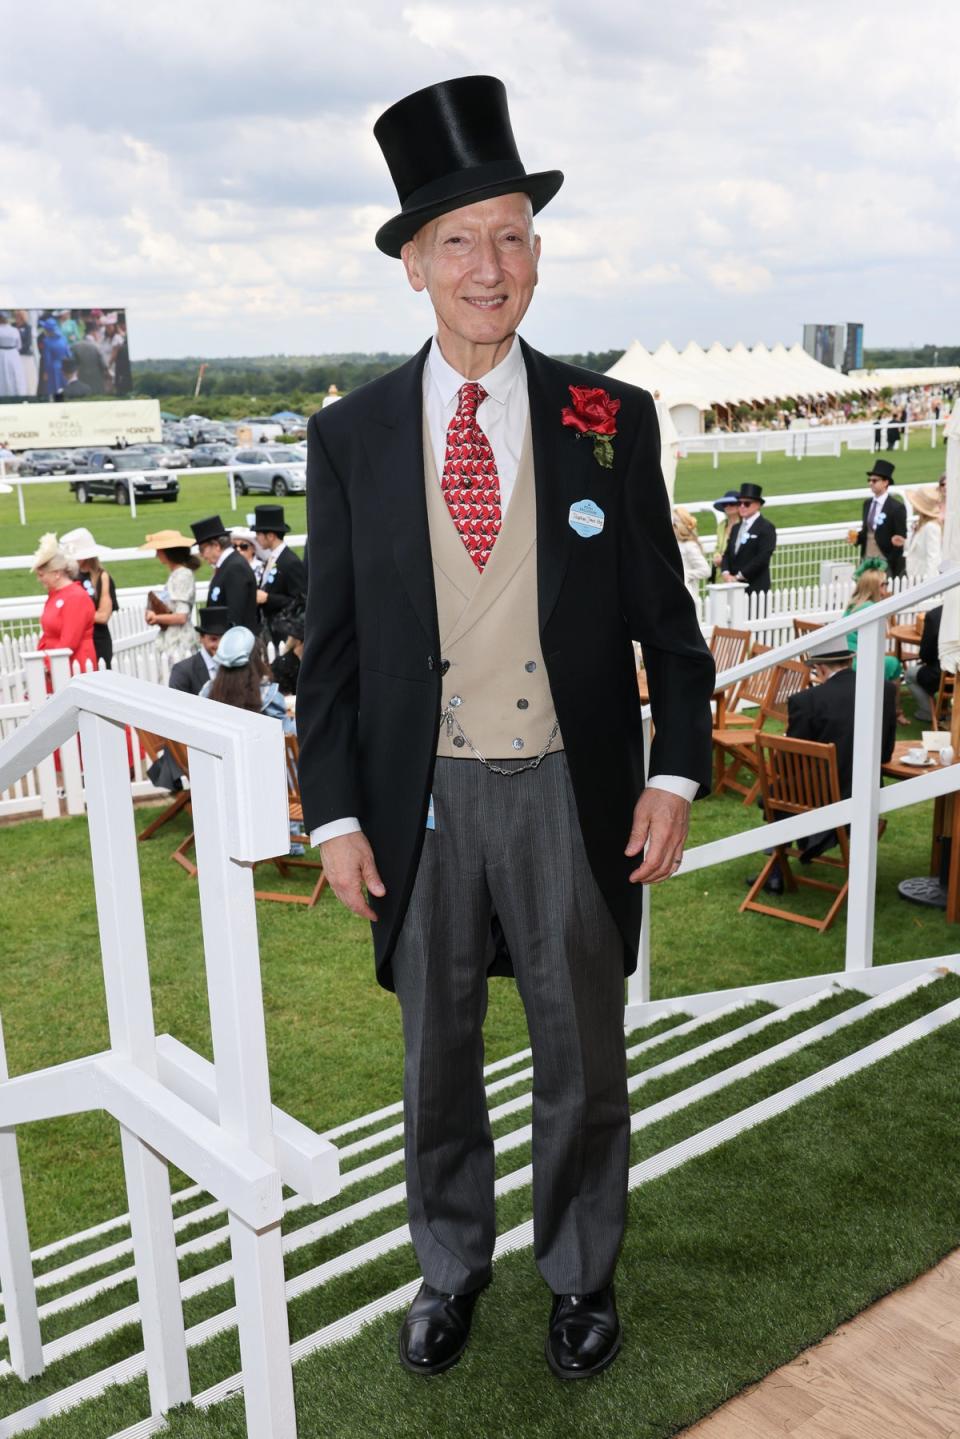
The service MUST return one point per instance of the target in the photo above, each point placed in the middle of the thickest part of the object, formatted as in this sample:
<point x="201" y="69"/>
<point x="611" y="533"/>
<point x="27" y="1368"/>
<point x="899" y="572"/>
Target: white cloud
<point x="214" y="168"/>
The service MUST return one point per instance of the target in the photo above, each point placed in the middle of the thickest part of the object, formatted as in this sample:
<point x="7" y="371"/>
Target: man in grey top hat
<point x="488" y="534"/>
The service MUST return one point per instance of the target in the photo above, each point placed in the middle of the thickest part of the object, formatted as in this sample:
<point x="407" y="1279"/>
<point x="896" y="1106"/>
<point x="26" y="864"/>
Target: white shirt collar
<point x="497" y="382"/>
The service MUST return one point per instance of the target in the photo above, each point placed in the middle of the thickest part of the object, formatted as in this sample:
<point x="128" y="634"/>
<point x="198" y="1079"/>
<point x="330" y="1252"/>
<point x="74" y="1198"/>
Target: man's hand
<point x="660" y="821"/>
<point x="350" y="867"/>
<point x="898" y="540"/>
<point x="261" y="597"/>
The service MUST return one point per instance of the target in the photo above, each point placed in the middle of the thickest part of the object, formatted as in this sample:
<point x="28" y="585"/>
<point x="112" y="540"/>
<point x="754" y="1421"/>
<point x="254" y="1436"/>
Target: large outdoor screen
<point x="59" y="354"/>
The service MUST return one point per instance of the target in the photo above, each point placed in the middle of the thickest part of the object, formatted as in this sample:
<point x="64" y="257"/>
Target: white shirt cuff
<point x="334" y="830"/>
<point x="674" y="784"/>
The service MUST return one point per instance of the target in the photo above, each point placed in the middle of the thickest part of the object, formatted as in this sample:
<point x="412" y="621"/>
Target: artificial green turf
<point x="52" y="507"/>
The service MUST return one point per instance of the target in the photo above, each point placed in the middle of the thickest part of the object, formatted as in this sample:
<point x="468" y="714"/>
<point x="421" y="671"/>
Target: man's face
<point x="267" y="540"/>
<point x="209" y="551"/>
<point x="479" y="267"/>
<point x="748" y="508"/>
<point x="211" y="643"/>
<point x="878" y="485"/>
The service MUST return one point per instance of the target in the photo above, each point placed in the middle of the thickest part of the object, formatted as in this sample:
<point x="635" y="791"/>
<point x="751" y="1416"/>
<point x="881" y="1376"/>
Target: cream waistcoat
<point x="496" y="681"/>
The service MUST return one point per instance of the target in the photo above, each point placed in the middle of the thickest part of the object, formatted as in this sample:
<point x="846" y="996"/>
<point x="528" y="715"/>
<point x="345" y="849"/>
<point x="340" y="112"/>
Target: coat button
<point x="530" y="666"/>
<point x="523" y="704"/>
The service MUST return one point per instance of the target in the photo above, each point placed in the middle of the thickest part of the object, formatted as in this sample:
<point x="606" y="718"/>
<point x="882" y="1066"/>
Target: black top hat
<point x="448" y="146"/>
<point x="883" y="469"/>
<point x="268" y="519"/>
<point x="212" y="528"/>
<point x="214" y="620"/>
<point x="751" y="492"/>
<point x="730" y="498"/>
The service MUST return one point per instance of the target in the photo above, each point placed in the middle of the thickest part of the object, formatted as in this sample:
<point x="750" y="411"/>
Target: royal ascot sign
<point x="93" y="424"/>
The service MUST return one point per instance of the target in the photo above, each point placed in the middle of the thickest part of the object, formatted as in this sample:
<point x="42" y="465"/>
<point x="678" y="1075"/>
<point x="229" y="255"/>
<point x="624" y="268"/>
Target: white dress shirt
<point x="503" y="417"/>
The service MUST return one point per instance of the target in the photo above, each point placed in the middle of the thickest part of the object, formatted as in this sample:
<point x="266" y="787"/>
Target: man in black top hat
<point x="752" y="541"/>
<point x="488" y="534"/>
<point x="283" y="583"/>
<point x="883" y="528"/>
<point x="233" y="586"/>
<point x="190" y="675"/>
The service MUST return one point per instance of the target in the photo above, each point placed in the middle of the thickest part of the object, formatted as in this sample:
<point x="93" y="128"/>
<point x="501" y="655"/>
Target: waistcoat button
<point x="523" y="704"/>
<point x="530" y="666"/>
<point x="518" y="744"/>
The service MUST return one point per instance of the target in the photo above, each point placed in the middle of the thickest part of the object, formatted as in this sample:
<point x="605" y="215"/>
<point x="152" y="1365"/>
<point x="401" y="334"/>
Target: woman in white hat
<point x="176" y="636"/>
<point x="923" y="551"/>
<point x="80" y="545"/>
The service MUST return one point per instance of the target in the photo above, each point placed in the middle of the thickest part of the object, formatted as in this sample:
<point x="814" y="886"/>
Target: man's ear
<point x="411" y="263"/>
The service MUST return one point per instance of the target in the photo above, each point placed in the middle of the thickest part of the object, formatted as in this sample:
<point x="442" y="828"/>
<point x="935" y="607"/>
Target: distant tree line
<point x="905" y="359"/>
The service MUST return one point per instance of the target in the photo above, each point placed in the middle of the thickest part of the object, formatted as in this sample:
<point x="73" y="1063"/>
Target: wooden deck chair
<point x="286" y="863"/>
<point x="806" y="627"/>
<point x="795" y="776"/>
<point x="749" y="693"/>
<point x="153" y="745"/>
<point x="729" y="647"/>
<point x="735" y="748"/>
<point x="944" y="700"/>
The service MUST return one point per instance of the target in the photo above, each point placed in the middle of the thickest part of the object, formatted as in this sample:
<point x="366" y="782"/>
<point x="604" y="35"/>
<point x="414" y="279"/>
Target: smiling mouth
<point x="485" y="302"/>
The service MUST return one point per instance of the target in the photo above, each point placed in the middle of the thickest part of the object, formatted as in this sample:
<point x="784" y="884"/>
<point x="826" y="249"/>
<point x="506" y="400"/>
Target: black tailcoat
<point x="286" y="582"/>
<point x="753" y="561"/>
<point x="894" y="522"/>
<point x="233" y="585"/>
<point x="824" y="713"/>
<point x="368" y="696"/>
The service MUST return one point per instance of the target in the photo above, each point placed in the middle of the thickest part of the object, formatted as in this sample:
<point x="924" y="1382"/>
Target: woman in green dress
<point x="870" y="588"/>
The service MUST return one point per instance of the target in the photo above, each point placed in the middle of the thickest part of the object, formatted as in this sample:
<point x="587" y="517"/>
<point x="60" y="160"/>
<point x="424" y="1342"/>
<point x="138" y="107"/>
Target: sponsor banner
<point x="93" y="426"/>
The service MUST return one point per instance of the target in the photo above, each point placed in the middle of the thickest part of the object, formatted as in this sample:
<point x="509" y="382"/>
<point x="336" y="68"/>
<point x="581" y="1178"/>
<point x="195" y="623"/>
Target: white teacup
<point x="915" y="756"/>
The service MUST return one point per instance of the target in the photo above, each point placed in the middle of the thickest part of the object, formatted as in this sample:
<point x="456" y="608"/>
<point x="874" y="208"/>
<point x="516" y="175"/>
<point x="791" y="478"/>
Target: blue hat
<point x="730" y="498"/>
<point x="236" y="647"/>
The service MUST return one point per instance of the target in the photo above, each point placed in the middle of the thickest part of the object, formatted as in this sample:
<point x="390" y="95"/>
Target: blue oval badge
<point x="585" y="519"/>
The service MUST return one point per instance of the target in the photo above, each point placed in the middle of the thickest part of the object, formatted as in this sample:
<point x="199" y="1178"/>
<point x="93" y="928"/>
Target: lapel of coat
<point x="394" y="443"/>
<point x="561" y="472"/>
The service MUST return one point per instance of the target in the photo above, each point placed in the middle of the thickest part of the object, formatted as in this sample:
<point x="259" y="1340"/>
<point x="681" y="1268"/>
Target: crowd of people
<point x="888" y="413"/>
<point x="64" y="354"/>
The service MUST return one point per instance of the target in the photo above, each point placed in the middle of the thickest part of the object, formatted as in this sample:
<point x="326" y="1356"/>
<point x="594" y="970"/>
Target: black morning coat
<point x="285" y="584"/>
<point x="894" y="522"/>
<point x="234" y="586"/>
<point x="368" y="696"/>
<point x="753" y="561"/>
<point x="824" y="713"/>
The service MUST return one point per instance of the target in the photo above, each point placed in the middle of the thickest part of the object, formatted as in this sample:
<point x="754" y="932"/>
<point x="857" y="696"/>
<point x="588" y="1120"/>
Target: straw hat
<point x="926" y="502"/>
<point x="79" y="544"/>
<point x="167" y="540"/>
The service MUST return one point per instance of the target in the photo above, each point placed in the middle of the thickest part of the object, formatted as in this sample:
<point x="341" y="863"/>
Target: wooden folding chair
<point x="735" y="748"/>
<point x="806" y="627"/>
<point x="796" y="776"/>
<point x="153" y="746"/>
<point x="286" y="863"/>
<point x="944" y="701"/>
<point x="729" y="647"/>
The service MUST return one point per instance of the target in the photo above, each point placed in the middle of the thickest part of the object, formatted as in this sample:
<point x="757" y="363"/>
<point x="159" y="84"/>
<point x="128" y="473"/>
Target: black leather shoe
<point x="773" y="884"/>
<point x="584" y="1335"/>
<point x="435" y="1332"/>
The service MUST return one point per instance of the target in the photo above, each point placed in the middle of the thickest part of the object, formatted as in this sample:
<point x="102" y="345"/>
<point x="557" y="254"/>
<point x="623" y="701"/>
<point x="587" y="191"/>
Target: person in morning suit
<point x="883" y="528"/>
<point x="751" y="542"/>
<point x="191" y="674"/>
<point x="233" y="586"/>
<point x="283" y="583"/>
<point x="488" y="534"/>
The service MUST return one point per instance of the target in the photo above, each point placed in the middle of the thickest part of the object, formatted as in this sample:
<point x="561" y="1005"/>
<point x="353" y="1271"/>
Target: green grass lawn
<point x="52" y="507"/>
<point x="732" y="1264"/>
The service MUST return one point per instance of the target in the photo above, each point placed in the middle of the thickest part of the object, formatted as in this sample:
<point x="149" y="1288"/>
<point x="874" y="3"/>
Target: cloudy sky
<point x="733" y="169"/>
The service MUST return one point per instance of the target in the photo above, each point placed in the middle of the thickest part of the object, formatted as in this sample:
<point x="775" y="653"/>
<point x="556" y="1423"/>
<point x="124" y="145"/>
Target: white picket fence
<point x="800" y="442"/>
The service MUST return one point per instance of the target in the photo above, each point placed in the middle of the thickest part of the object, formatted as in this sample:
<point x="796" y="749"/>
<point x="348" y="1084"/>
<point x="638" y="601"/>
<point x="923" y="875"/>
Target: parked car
<point x="112" y="473"/>
<point x="166" y="456"/>
<point x="217" y="452"/>
<point x="47" y="462"/>
<point x="268" y="468"/>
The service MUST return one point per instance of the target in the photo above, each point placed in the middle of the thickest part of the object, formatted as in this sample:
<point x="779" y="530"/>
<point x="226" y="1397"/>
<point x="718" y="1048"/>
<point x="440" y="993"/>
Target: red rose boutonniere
<point x="594" y="413"/>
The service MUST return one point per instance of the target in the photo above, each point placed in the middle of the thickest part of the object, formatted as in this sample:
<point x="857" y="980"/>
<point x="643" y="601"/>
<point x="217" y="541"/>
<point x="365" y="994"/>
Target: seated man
<point x="923" y="676"/>
<point x="824" y="713"/>
<point x="190" y="675"/>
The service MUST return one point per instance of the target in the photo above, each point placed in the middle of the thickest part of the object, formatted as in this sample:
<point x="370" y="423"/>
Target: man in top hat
<point x="488" y="533"/>
<point x="190" y="675"/>
<point x="283" y="582"/>
<point x="727" y="506"/>
<point x="233" y="586"/>
<point x="752" y="542"/>
<point x="883" y="528"/>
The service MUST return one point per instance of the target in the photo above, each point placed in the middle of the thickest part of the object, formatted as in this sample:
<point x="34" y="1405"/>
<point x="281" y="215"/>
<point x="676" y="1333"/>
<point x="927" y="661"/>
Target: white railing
<point x="20" y="482"/>
<point x="214" y="1121"/>
<point x="801" y="442"/>
<point x="868" y="800"/>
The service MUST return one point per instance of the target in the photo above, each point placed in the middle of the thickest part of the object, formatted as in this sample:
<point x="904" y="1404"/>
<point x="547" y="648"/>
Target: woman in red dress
<point x="67" y="621"/>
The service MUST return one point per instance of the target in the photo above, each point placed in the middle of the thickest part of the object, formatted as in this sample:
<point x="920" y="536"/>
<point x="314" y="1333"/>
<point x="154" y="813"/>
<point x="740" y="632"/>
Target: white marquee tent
<point x="692" y="380"/>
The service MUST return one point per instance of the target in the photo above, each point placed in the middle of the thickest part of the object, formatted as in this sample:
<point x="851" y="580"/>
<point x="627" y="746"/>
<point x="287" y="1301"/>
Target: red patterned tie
<point x="470" y="484"/>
